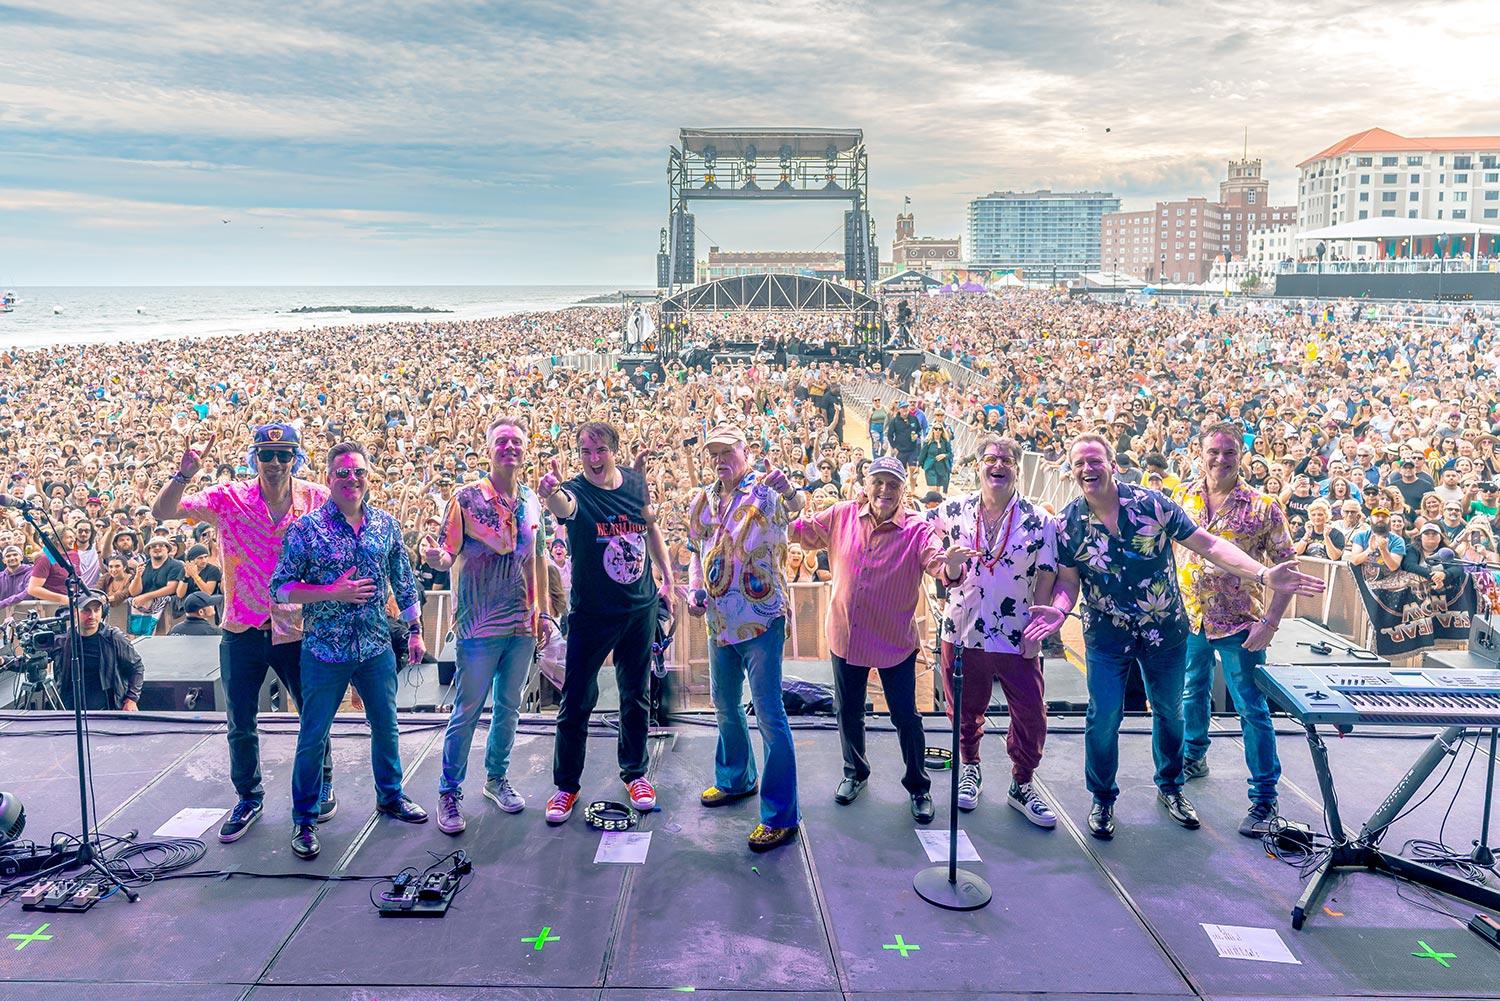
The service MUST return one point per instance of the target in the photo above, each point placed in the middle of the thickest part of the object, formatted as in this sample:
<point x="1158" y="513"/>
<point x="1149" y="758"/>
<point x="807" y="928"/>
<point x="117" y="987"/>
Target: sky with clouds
<point x="351" y="142"/>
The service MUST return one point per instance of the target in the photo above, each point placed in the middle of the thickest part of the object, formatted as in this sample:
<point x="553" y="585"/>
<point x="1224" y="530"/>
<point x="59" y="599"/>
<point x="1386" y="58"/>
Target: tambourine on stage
<point x="1158" y="912"/>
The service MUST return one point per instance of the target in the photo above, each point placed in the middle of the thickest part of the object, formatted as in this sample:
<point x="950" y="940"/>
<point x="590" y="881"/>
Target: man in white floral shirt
<point x="986" y="617"/>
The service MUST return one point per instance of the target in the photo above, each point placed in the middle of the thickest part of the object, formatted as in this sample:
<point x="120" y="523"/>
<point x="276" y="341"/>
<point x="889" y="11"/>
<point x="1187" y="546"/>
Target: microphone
<point x="19" y="503"/>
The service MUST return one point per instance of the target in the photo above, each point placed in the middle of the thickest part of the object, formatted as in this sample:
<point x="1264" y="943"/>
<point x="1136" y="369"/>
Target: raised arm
<point x="168" y="503"/>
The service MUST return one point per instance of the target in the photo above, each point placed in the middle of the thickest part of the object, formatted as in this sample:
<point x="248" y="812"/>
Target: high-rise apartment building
<point x="1046" y="232"/>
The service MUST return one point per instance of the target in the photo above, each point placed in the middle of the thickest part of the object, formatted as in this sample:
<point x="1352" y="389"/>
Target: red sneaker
<point x="642" y="794"/>
<point x="560" y="806"/>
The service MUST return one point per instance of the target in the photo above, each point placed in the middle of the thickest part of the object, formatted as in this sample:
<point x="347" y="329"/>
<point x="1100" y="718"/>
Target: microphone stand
<point x="87" y="852"/>
<point x="948" y="886"/>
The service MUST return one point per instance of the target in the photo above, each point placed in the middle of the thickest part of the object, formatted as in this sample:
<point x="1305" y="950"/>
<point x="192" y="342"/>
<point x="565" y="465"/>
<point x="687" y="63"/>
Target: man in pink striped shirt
<point x="878" y="552"/>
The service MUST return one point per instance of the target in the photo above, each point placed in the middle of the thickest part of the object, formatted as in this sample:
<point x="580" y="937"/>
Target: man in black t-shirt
<point x="154" y="583"/>
<point x="113" y="674"/>
<point x="613" y="543"/>
<point x="1412" y="482"/>
<point x="200" y="576"/>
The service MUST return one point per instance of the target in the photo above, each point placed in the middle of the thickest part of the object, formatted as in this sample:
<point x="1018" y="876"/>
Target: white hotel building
<point x="1377" y="174"/>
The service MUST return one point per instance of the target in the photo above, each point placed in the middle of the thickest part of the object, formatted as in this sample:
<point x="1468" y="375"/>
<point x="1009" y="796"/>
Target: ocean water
<point x="94" y="314"/>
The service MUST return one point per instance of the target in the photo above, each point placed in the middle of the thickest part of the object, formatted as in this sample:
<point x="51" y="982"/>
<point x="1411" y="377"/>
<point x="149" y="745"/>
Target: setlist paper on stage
<point x="629" y="847"/>
<point x="1263" y="945"/>
<point x="935" y="843"/>
<point x="190" y="822"/>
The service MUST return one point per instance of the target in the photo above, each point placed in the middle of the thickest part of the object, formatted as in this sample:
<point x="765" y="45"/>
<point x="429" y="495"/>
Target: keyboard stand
<point x="1364" y="852"/>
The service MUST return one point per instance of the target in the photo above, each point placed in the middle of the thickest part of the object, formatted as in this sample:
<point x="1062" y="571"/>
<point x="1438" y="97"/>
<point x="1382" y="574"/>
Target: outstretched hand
<point x="550" y="480"/>
<point x="958" y="554"/>
<point x="192" y="459"/>
<point x="1287" y="578"/>
<point x="1044" y="621"/>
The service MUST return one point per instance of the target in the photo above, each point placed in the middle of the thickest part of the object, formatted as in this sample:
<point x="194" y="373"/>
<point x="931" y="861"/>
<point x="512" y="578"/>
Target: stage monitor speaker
<point x="447" y="660"/>
<point x="182" y="675"/>
<point x="1484" y="639"/>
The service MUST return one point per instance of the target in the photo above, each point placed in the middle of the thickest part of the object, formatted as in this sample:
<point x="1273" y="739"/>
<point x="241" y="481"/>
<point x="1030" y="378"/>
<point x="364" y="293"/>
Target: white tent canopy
<point x="1396" y="229"/>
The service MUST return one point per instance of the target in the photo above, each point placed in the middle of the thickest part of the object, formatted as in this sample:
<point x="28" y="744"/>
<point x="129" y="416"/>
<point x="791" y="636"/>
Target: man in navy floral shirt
<point x="1115" y="543"/>
<point x="338" y="562"/>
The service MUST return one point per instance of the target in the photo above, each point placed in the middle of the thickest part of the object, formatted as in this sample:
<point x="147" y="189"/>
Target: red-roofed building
<point x="1378" y="174"/>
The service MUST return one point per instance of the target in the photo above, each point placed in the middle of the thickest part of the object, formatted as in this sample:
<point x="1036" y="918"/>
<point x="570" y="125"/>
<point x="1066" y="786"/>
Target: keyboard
<point x="1344" y="696"/>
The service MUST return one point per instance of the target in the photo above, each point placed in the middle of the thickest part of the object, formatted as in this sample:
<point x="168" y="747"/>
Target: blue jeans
<point x="1249" y="701"/>
<point x="734" y="760"/>
<point x="244" y="658"/>
<point x="1162" y="669"/>
<point x="323" y="687"/>
<point x="498" y="663"/>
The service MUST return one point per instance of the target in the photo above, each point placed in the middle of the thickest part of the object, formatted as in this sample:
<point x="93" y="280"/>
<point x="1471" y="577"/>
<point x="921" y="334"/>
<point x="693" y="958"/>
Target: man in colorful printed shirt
<point x="879" y="552"/>
<point x="1227" y="617"/>
<point x="492" y="543"/>
<point x="986" y="618"/>
<point x="338" y="562"/>
<point x="1115" y="545"/>
<point x="252" y="517"/>
<point x="737" y="536"/>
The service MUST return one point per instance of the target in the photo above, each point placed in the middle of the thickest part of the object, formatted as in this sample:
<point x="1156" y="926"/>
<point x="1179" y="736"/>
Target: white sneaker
<point x="503" y="794"/>
<point x="969" y="784"/>
<point x="1031" y="805"/>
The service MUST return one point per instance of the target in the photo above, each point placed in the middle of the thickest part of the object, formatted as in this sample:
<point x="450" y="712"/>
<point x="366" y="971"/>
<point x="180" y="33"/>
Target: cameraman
<point x="112" y="670"/>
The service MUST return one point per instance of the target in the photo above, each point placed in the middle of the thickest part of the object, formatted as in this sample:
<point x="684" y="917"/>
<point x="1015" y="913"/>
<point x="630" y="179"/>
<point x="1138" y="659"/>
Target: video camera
<point x="37" y="639"/>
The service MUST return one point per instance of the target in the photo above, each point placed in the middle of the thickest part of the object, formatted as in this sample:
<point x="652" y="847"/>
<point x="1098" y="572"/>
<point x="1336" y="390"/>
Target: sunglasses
<point x="358" y="472"/>
<point x="275" y="455"/>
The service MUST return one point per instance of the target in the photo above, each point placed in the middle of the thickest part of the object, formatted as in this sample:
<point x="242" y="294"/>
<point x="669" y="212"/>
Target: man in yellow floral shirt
<point x="1227" y="615"/>
<point x="737" y="530"/>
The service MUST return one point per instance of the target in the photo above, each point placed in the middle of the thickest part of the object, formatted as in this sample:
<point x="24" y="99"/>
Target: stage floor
<point x="833" y="916"/>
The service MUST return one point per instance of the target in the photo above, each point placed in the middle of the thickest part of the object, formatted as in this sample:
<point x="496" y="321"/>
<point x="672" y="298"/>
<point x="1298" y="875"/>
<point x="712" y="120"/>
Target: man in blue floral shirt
<point x="338" y="562"/>
<point x="1115" y="544"/>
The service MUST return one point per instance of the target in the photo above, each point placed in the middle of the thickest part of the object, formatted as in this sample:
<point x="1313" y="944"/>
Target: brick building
<point x="1179" y="241"/>
<point x="921" y="253"/>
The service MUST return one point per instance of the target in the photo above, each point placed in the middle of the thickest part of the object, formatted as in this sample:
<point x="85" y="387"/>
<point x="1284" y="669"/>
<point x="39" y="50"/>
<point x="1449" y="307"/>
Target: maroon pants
<point x="1021" y="680"/>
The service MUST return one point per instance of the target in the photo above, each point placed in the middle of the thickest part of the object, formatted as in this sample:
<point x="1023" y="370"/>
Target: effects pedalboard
<point x="422" y="895"/>
<point x="73" y="895"/>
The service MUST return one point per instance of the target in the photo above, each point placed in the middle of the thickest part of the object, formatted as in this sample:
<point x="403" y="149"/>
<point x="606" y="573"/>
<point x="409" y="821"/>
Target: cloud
<point x="547" y="124"/>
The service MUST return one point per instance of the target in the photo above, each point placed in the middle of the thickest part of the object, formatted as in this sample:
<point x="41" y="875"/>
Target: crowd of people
<point x="308" y="487"/>
<point x="1368" y="411"/>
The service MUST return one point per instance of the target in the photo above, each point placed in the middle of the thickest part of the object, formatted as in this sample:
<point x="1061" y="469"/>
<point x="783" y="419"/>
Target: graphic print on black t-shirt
<point x="607" y="542"/>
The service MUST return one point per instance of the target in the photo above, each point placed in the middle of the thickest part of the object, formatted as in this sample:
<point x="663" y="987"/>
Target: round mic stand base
<point x="948" y="886"/>
<point x="967" y="893"/>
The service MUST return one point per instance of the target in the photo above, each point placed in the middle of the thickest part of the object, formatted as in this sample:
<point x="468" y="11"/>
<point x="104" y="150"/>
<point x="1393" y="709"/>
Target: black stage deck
<point x="1072" y="918"/>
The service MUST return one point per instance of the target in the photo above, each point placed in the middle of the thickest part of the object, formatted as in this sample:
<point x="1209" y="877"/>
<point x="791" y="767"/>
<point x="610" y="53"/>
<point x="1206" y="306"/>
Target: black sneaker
<point x="328" y="803"/>
<point x="404" y="810"/>
<point x="305" y="841"/>
<point x="1258" y="820"/>
<point x="1195" y="768"/>
<point x="245" y="813"/>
